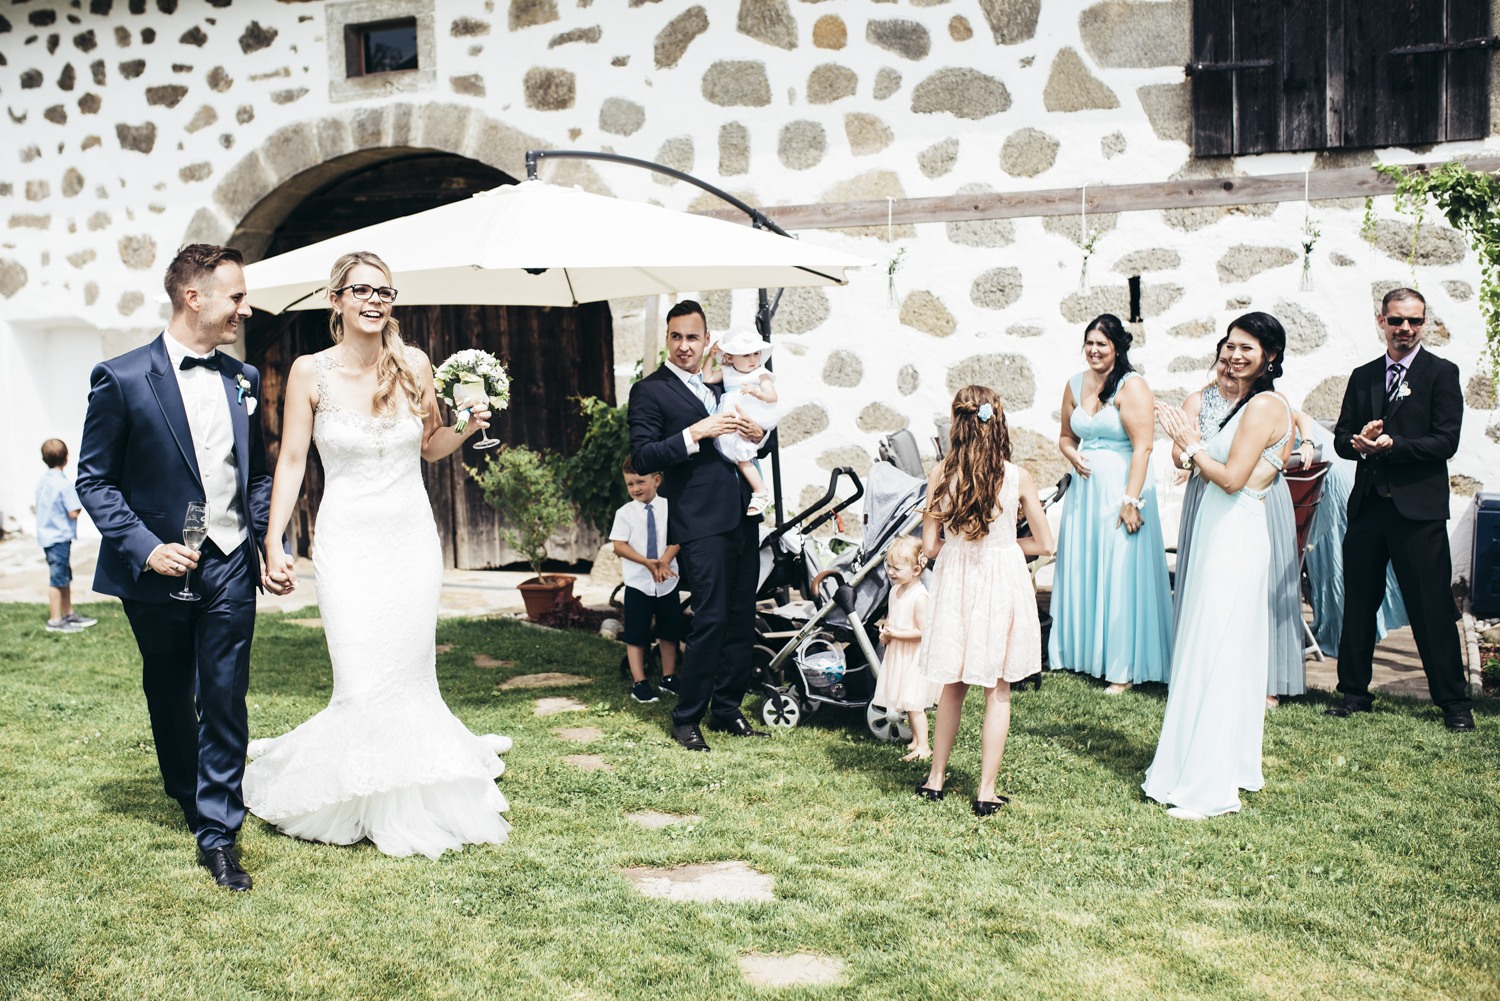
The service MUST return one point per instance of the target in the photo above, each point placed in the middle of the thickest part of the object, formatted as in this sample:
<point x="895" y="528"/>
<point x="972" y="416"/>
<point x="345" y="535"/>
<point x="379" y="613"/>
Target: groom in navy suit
<point x="171" y="423"/>
<point x="672" y="427"/>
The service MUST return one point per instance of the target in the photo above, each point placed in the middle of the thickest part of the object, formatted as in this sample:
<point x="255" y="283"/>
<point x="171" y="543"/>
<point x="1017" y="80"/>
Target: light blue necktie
<point x="651" y="551"/>
<point x="704" y="396"/>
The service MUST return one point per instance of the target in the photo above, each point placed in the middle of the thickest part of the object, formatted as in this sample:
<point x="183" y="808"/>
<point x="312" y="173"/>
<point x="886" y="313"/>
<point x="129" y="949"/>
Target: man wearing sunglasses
<point x="1400" y="421"/>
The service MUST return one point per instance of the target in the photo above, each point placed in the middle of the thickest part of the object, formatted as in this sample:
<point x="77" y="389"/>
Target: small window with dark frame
<point x="382" y="47"/>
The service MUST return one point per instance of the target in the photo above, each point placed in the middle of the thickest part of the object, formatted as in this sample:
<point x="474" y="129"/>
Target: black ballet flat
<point x="931" y="795"/>
<point x="985" y="807"/>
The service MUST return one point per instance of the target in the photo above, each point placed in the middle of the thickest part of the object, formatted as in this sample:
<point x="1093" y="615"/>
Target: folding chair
<point x="1306" y="484"/>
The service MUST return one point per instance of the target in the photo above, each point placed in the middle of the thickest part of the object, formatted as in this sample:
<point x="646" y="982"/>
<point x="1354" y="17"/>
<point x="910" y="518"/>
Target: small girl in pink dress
<point x="901" y="686"/>
<point x="982" y="626"/>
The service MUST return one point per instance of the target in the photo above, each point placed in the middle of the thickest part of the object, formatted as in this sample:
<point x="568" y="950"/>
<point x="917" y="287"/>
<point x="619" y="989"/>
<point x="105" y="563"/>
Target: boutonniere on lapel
<point x="1403" y="392"/>
<point x="245" y="400"/>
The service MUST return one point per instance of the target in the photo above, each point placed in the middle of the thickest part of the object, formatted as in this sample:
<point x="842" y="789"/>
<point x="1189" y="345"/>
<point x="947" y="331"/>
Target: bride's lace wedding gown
<point x="386" y="760"/>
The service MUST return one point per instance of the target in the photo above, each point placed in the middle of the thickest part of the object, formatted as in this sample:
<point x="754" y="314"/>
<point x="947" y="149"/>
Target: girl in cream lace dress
<point x="902" y="686"/>
<point x="982" y="626"/>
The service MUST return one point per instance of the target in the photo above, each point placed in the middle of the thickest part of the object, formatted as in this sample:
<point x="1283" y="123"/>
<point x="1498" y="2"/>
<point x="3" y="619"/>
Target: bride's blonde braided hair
<point x="391" y="368"/>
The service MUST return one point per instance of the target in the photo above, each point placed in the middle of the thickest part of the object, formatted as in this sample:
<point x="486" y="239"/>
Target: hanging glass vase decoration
<point x="1307" y="285"/>
<point x="892" y="298"/>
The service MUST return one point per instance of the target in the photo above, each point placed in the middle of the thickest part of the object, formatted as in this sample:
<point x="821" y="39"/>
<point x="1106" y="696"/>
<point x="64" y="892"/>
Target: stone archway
<point x="290" y="192"/>
<point x="256" y="194"/>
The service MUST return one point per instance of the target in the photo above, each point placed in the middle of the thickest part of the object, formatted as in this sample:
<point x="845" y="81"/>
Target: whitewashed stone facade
<point x="133" y="127"/>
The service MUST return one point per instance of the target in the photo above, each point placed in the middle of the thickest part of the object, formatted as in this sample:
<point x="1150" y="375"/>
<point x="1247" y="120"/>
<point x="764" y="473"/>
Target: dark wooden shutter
<point x="1273" y="75"/>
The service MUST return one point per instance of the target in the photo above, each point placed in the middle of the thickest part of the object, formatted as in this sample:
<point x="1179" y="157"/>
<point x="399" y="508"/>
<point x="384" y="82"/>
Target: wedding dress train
<point x="386" y="760"/>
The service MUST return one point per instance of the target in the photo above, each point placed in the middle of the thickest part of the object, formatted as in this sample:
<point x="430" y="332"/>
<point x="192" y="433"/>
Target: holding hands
<point x="661" y="569"/>
<point x="279" y="574"/>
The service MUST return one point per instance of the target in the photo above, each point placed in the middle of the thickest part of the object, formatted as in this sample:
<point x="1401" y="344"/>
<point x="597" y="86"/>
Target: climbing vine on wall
<point x="1471" y="203"/>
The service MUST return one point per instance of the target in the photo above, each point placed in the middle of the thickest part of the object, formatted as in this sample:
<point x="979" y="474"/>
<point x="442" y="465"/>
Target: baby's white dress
<point x="735" y="447"/>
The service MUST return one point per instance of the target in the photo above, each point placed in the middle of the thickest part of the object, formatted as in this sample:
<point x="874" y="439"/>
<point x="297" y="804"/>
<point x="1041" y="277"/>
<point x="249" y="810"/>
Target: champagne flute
<point x="194" y="531"/>
<point x="476" y="398"/>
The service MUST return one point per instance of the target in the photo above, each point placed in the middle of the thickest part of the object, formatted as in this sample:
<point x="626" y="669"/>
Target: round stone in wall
<point x="908" y="39"/>
<point x="908" y="380"/>
<point x="138" y="252"/>
<point x="881" y="418"/>
<point x="830" y="82"/>
<point x="1464" y="486"/>
<point x="549" y="89"/>
<point x="1480" y="392"/>
<point x="130" y="302"/>
<point x="887" y="82"/>
<point x="852" y="456"/>
<point x="1071" y="87"/>
<point x="12" y="277"/>
<point x="962" y="93"/>
<point x="1038" y="455"/>
<point x="829" y="32"/>
<point x="939" y="158"/>
<point x="1028" y="152"/>
<point x="981" y="232"/>
<point x="1459" y="290"/>
<point x="620" y="117"/>
<point x="801" y="144"/>
<point x="676" y="153"/>
<point x="926" y="312"/>
<point x="867" y="134"/>
<point x="801" y="310"/>
<point x="673" y="40"/>
<point x="1025" y="330"/>
<point x="1326" y="399"/>
<point x="1242" y="262"/>
<point x="731" y="83"/>
<point x="1140" y="261"/>
<point x="996" y="288"/>
<point x="1305" y="332"/>
<point x="72" y="182"/>
<point x="802" y="423"/>
<point x="1007" y="374"/>
<point x="843" y="368"/>
<point x="1436" y="245"/>
<point x="1112" y="145"/>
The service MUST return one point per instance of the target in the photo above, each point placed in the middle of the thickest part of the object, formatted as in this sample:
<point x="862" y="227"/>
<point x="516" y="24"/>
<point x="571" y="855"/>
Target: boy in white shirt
<point x="649" y="569"/>
<point x="57" y="509"/>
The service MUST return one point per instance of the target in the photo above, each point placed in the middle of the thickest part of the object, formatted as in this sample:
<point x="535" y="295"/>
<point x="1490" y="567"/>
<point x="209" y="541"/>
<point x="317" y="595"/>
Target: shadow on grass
<point x="141" y="798"/>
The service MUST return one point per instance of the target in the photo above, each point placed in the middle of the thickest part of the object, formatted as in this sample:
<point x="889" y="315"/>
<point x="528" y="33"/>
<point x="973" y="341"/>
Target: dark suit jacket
<point x="138" y="469"/>
<point x="1424" y="429"/>
<point x="707" y="494"/>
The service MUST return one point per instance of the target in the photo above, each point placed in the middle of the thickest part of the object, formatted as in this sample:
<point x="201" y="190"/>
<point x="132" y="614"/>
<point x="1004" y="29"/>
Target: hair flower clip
<point x="985" y="413"/>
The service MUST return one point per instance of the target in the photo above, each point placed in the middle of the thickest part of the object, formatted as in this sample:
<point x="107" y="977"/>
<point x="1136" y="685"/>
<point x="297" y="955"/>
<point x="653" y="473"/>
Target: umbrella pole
<point x="757" y="218"/>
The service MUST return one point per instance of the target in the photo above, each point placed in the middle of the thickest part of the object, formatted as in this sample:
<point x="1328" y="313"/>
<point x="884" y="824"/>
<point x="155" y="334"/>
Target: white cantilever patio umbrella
<point x="538" y="244"/>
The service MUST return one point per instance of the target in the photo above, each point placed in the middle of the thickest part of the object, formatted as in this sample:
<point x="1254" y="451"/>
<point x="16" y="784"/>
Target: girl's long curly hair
<point x="968" y="490"/>
<point x="391" y="367"/>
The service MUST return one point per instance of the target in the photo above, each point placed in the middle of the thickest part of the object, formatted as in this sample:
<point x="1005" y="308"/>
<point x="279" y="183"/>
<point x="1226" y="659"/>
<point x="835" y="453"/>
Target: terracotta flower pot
<point x="540" y="593"/>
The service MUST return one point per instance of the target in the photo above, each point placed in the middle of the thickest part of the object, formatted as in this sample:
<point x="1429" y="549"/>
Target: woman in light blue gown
<point x="1111" y="599"/>
<point x="1325" y="560"/>
<point x="1211" y="735"/>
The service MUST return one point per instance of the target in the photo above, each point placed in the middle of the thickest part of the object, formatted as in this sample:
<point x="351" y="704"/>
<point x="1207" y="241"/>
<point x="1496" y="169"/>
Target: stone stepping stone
<point x="483" y="660"/>
<point x="797" y="970"/>
<point x="558" y="704"/>
<point x="309" y="623"/>
<point x="578" y="734"/>
<point x="589" y="763"/>
<point x="549" y="680"/>
<point x="444" y="647"/>
<point x="652" y="820"/>
<point x="708" y="882"/>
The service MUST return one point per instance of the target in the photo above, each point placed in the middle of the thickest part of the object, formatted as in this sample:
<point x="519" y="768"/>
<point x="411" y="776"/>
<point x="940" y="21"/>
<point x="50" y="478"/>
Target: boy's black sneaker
<point x="641" y="692"/>
<point x="668" y="684"/>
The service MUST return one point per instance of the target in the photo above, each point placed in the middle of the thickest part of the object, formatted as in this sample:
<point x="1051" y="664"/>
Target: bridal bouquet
<point x="471" y="365"/>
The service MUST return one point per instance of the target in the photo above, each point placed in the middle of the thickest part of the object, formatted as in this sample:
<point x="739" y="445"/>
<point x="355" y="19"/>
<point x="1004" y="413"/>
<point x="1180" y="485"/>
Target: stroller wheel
<point x="880" y="724"/>
<point x="652" y="663"/>
<point x="783" y="717"/>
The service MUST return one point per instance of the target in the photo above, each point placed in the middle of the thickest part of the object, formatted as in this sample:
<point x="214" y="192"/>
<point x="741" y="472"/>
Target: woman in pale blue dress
<point x="1111" y="599"/>
<point x="1325" y="560"/>
<point x="1211" y="734"/>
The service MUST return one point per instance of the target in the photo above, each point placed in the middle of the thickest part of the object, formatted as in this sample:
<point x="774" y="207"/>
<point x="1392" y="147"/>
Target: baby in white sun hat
<point x="750" y="388"/>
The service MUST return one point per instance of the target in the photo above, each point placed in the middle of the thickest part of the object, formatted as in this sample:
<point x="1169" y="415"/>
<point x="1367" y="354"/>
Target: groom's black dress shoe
<point x="1348" y="708"/>
<point x="225" y="868"/>
<point x="1458" y="720"/>
<point x="739" y="726"/>
<point x="690" y="737"/>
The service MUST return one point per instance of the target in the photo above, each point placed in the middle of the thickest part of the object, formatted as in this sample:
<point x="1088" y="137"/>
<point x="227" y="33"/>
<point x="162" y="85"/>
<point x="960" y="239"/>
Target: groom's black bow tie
<point x="212" y="361"/>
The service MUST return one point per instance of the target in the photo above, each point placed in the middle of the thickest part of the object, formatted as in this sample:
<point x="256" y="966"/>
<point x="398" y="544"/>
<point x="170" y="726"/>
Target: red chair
<point x="1306" y="485"/>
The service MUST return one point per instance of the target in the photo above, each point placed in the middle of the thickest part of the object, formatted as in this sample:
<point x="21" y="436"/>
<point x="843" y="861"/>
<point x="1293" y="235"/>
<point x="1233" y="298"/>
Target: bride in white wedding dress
<point x="386" y="760"/>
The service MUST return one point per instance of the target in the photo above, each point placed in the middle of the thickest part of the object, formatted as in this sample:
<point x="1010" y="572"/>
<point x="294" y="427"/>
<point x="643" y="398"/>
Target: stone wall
<point x="135" y="127"/>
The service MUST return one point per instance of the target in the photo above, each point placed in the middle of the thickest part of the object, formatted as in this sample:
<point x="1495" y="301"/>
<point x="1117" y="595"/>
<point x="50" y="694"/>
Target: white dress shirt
<point x="706" y="396"/>
<point x="211" y="425"/>
<point x="630" y="528"/>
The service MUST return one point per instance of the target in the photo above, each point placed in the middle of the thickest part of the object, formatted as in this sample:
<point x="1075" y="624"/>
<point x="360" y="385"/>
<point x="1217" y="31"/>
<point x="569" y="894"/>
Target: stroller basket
<point x="824" y="670"/>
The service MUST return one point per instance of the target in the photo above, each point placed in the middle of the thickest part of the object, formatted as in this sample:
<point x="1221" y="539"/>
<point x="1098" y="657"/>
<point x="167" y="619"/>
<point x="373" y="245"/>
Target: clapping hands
<point x="1372" y="439"/>
<point x="1177" y="425"/>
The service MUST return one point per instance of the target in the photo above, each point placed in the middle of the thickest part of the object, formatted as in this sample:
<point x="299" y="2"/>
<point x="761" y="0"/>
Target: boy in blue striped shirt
<point x="57" y="510"/>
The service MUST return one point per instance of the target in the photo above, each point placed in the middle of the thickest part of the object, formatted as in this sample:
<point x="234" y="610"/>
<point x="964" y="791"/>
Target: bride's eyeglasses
<point x="365" y="291"/>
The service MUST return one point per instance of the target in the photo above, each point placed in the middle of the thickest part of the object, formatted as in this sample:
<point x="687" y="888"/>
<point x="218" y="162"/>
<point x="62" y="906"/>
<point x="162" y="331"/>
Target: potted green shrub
<point x="520" y="484"/>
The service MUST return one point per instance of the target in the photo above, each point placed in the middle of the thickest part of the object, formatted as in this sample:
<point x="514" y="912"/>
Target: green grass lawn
<point x="1365" y="869"/>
